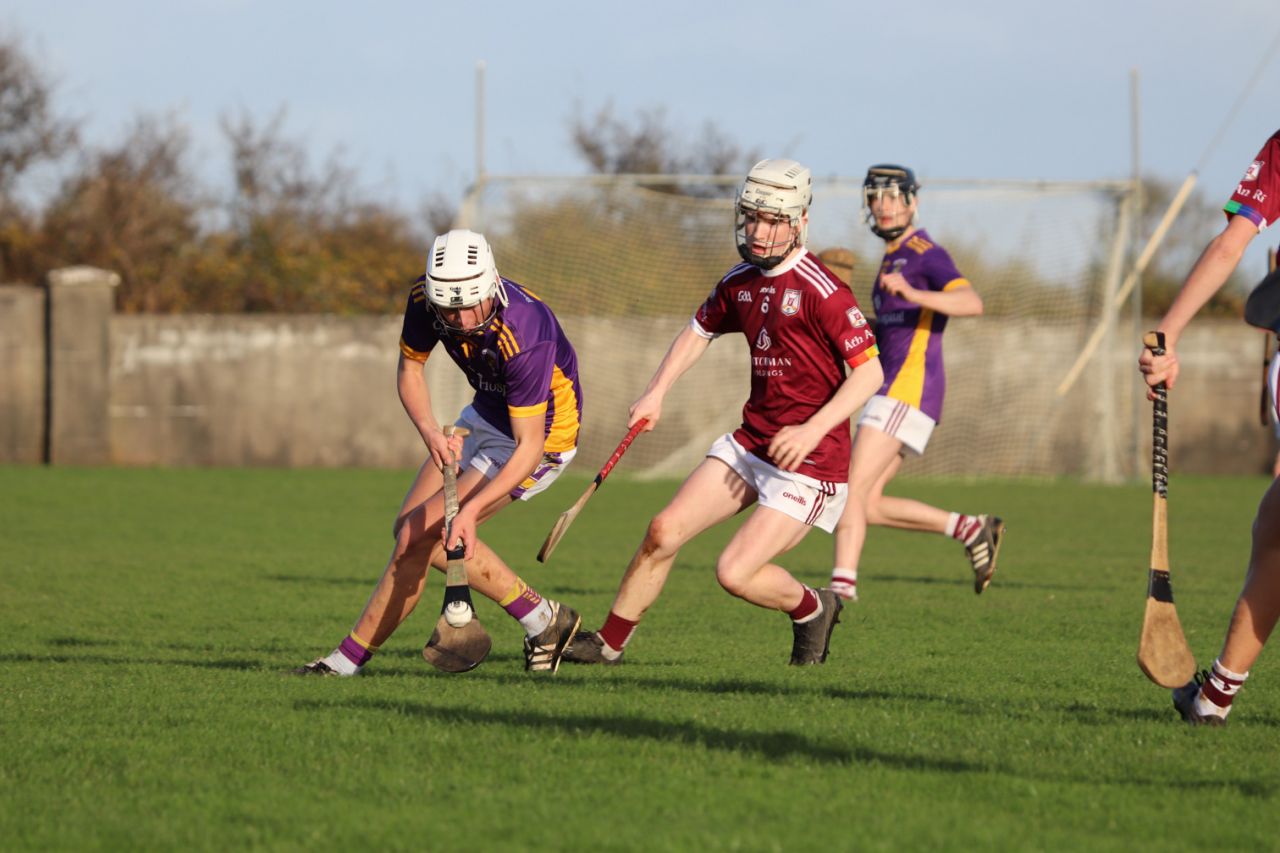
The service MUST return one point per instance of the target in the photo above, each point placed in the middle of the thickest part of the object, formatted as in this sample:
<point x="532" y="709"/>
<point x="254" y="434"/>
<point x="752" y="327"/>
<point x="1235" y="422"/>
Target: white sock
<point x="965" y="527"/>
<point x="340" y="663"/>
<point x="1223" y="682"/>
<point x="607" y="651"/>
<point x="844" y="583"/>
<point x="537" y="619"/>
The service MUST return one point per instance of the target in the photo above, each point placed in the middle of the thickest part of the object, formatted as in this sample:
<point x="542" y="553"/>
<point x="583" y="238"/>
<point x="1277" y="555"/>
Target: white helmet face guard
<point x="753" y="224"/>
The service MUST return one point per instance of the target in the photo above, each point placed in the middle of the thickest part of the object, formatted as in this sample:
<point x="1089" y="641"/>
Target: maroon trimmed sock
<point x="1221" y="686"/>
<point x="967" y="528"/>
<point x="617" y="631"/>
<point x="808" y="607"/>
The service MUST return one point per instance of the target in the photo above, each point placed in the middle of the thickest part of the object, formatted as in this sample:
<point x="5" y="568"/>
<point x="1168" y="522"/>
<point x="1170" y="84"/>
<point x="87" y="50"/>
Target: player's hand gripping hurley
<point x="1162" y="649"/>
<point x="459" y="642"/>
<point x="566" y="518"/>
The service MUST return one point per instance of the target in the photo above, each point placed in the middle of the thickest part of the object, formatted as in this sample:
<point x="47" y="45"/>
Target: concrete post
<point x="81" y="302"/>
<point x="22" y="374"/>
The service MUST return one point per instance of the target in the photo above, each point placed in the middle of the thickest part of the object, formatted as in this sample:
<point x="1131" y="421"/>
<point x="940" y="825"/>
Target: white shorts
<point x="487" y="449"/>
<point x="895" y="418"/>
<point x="815" y="502"/>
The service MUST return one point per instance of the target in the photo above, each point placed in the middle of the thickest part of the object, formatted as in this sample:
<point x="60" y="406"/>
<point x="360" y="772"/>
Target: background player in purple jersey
<point x="790" y="456"/>
<point x="1253" y="206"/>
<point x="917" y="289"/>
<point x="523" y="426"/>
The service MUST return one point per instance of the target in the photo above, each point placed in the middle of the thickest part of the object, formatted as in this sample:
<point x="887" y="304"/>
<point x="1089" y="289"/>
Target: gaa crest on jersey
<point x="856" y="319"/>
<point x="1251" y="173"/>
<point x="790" y="302"/>
<point x="762" y="340"/>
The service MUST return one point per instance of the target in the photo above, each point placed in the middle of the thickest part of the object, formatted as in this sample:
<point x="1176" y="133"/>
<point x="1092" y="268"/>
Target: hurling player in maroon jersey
<point x="522" y="431"/>
<point x="1253" y="206"/>
<point x="917" y="290"/>
<point x="790" y="456"/>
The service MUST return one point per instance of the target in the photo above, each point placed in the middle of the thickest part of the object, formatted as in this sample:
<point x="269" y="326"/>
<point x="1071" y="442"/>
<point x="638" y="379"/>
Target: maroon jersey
<point x="1257" y="196"/>
<point x="803" y="325"/>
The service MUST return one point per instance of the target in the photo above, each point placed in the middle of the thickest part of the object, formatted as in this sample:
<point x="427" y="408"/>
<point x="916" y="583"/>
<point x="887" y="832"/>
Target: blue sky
<point x="988" y="88"/>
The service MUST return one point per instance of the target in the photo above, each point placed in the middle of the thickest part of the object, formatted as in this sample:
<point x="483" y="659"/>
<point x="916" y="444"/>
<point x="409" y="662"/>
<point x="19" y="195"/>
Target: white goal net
<point x="624" y="262"/>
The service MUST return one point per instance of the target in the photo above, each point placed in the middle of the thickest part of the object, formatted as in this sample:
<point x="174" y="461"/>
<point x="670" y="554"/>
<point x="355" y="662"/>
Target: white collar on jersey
<point x="787" y="265"/>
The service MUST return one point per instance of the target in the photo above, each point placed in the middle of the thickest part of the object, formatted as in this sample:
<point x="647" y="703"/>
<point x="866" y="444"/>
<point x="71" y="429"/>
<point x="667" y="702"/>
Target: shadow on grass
<point x="126" y="660"/>
<point x="777" y="745"/>
<point x="998" y="581"/>
<point x="79" y="642"/>
<point x="562" y="591"/>
<point x="321" y="581"/>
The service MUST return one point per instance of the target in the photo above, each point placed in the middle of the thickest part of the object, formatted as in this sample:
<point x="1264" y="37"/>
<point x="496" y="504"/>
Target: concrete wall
<point x="22" y="373"/>
<point x="320" y="391"/>
<point x="301" y="390"/>
<point x="79" y="351"/>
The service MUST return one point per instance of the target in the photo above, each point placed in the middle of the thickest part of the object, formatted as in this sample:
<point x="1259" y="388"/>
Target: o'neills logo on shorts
<point x="795" y="498"/>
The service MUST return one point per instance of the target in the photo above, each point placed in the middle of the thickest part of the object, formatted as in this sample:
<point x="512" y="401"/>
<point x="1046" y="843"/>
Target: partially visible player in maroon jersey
<point x="790" y="456"/>
<point x="1252" y="207"/>
<point x="917" y="290"/>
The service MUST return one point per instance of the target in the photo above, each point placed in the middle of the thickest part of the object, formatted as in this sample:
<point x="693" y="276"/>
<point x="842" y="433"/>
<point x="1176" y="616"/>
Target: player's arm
<point x="411" y="382"/>
<point x="683" y="354"/>
<point x="792" y="444"/>
<point x="1211" y="271"/>
<point x="957" y="299"/>
<point x="530" y="437"/>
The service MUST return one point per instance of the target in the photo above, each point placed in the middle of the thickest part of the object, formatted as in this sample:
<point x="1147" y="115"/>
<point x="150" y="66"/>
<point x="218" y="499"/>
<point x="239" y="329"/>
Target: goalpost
<point x="625" y="261"/>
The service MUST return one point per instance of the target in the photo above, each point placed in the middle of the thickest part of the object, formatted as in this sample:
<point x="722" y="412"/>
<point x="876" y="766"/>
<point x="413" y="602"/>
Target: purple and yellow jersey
<point x="521" y="366"/>
<point x="1257" y="196"/>
<point x="910" y="337"/>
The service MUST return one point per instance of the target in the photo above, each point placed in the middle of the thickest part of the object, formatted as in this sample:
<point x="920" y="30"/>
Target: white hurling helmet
<point x="461" y="273"/>
<point x="781" y="188"/>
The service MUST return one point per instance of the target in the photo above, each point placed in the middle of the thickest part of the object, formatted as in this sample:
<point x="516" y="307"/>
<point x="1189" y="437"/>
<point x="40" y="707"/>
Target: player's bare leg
<point x="1254" y="618"/>
<point x="427" y="483"/>
<point x="418" y="547"/>
<point x="710" y="495"/>
<point x="745" y="568"/>
<point x="1258" y="607"/>
<point x="874" y="453"/>
<point x="902" y="513"/>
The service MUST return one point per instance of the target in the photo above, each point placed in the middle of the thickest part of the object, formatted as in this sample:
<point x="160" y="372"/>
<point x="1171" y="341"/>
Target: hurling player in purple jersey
<point x="523" y="431"/>
<point x="790" y="456"/>
<point x="917" y="289"/>
<point x="1253" y="206"/>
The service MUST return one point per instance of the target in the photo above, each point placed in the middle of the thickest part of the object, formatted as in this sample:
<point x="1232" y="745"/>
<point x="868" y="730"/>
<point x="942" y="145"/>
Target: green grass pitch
<point x="146" y="617"/>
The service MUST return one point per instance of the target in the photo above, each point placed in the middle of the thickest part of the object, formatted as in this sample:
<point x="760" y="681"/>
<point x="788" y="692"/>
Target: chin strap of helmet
<point x="888" y="234"/>
<point x="761" y="261"/>
<point x="475" y="331"/>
